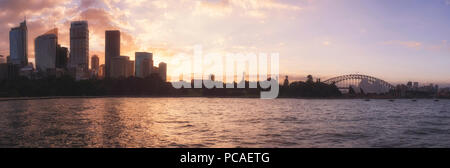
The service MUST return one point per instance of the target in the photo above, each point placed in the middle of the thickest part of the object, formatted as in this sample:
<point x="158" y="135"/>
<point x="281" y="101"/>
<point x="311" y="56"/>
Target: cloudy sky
<point x="394" y="40"/>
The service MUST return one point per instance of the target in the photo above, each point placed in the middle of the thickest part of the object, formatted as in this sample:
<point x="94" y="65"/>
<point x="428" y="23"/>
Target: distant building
<point x="45" y="49"/>
<point x="163" y="71"/>
<point x="444" y="92"/>
<point x="122" y="67"/>
<point x="8" y="71"/>
<point x="416" y="85"/>
<point x="79" y="47"/>
<point x="155" y="70"/>
<point x="3" y="71"/>
<point x="130" y="70"/>
<point x="144" y="64"/>
<point x="101" y="71"/>
<point x="95" y="62"/>
<point x="365" y="86"/>
<point x="286" y="82"/>
<point x="27" y="71"/>
<point x="62" y="57"/>
<point x="112" y="50"/>
<point x="18" y="44"/>
<point x="409" y="85"/>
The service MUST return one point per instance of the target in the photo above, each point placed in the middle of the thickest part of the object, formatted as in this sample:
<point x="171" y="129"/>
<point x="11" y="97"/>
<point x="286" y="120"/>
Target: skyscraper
<point x="46" y="50"/>
<point x="95" y="63"/>
<point x="112" y="49"/>
<point x="62" y="57"/>
<point x="163" y="71"/>
<point x="18" y="44"/>
<point x="79" y="46"/>
<point x="144" y="64"/>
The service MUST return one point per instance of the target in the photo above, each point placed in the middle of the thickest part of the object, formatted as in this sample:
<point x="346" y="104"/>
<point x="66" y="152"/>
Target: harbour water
<point x="224" y="122"/>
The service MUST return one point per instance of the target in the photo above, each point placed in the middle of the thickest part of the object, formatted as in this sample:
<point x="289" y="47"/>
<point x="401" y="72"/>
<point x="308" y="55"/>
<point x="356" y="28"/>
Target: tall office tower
<point x="62" y="57"/>
<point x="95" y="63"/>
<point x="163" y="71"/>
<point x="18" y="44"/>
<point x="144" y="64"/>
<point x="112" y="50"/>
<point x="46" y="49"/>
<point x="79" y="46"/>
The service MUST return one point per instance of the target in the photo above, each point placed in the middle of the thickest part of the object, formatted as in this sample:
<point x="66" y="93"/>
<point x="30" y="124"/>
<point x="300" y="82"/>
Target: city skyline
<point x="364" y="40"/>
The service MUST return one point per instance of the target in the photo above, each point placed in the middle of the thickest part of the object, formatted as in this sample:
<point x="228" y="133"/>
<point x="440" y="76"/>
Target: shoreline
<point x="243" y="97"/>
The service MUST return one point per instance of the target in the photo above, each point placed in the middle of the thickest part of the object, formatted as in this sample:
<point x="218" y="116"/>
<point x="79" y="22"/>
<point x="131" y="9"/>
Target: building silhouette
<point x="18" y="44"/>
<point x="112" y="50"/>
<point x="79" y="49"/>
<point x="62" y="57"/>
<point x="130" y="68"/>
<point x="8" y="71"/>
<point x="162" y="71"/>
<point x="286" y="82"/>
<point x="46" y="50"/>
<point x="101" y="71"/>
<point x="95" y="63"/>
<point x="122" y="67"/>
<point x="144" y="64"/>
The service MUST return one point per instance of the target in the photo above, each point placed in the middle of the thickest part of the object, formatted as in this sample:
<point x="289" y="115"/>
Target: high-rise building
<point x="46" y="49"/>
<point x="95" y="63"/>
<point x="112" y="50"/>
<point x="144" y="64"/>
<point x="62" y="57"/>
<point x="79" y="46"/>
<point x="121" y="67"/>
<point x="18" y="44"/>
<point x="163" y="71"/>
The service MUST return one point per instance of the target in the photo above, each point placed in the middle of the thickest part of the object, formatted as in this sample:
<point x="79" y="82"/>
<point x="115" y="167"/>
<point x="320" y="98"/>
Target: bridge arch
<point x="356" y="78"/>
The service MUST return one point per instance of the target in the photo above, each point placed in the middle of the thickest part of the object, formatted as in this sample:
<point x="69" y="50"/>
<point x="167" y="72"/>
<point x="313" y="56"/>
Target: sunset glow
<point x="397" y="41"/>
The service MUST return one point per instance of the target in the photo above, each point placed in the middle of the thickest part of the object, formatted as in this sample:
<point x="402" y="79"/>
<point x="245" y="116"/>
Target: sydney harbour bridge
<point x="358" y="82"/>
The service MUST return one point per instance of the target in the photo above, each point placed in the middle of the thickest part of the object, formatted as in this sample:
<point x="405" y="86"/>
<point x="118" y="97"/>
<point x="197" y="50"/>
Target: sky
<point x="397" y="41"/>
